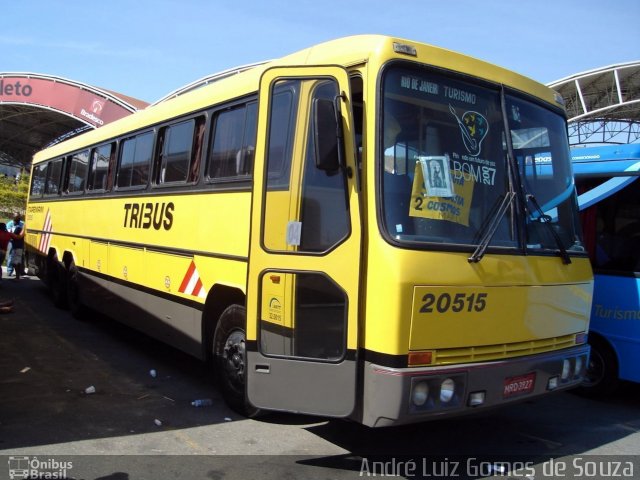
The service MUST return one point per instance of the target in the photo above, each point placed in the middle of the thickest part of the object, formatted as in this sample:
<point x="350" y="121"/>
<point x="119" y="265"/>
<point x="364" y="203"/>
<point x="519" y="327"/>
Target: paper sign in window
<point x="436" y="175"/>
<point x="454" y="207"/>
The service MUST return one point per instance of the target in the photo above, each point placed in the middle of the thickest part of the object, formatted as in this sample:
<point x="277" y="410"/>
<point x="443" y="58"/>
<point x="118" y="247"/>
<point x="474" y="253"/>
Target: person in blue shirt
<point x="17" y="249"/>
<point x="12" y="225"/>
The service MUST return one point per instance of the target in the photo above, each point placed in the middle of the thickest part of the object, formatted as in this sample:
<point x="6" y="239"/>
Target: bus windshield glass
<point x="447" y="178"/>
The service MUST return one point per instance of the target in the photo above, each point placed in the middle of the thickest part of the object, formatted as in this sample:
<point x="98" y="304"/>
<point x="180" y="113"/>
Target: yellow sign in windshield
<point x="454" y="208"/>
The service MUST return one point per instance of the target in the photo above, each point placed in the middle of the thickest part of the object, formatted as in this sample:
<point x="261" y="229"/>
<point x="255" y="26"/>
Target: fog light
<point x="566" y="369"/>
<point x="476" y="399"/>
<point x="420" y="394"/>
<point x="579" y="364"/>
<point x="552" y="384"/>
<point x="447" y="390"/>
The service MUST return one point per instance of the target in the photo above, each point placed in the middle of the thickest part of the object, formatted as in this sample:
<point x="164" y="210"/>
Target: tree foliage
<point x="13" y="195"/>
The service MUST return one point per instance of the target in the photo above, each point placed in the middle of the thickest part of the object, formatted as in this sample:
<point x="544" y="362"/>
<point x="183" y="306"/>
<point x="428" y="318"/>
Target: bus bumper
<point x="396" y="396"/>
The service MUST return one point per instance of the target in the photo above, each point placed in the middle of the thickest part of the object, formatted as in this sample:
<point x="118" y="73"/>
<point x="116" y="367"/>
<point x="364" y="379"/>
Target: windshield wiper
<point x="546" y="220"/>
<point x="491" y="227"/>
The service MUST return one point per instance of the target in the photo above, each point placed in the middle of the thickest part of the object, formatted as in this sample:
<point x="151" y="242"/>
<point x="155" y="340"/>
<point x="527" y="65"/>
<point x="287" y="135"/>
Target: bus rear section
<point x="609" y="199"/>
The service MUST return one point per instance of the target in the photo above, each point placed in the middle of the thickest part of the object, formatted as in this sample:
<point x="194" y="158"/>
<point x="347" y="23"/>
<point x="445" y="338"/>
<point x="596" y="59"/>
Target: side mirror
<point x="327" y="134"/>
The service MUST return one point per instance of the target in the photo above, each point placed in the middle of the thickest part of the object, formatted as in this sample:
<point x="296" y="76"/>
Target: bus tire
<point x="229" y="358"/>
<point x="601" y="378"/>
<point x="73" y="293"/>
<point x="49" y="265"/>
<point x="58" y="284"/>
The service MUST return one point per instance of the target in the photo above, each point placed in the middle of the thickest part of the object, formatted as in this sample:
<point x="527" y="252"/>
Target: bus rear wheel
<point x="57" y="280"/>
<point x="229" y="356"/>
<point x="73" y="293"/>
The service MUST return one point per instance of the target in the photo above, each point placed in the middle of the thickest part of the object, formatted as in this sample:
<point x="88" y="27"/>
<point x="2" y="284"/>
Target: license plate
<point x="521" y="385"/>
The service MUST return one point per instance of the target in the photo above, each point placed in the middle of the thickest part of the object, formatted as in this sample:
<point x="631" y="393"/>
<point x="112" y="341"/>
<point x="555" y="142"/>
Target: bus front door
<point x="304" y="260"/>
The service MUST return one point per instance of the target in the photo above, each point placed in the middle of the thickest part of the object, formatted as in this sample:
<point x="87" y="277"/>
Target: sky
<point x="148" y="48"/>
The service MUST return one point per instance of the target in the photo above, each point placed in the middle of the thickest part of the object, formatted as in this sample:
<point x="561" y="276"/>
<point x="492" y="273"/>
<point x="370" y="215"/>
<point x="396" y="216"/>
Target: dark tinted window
<point x="177" y="152"/>
<point x="99" y="168"/>
<point x="612" y="228"/>
<point x="77" y="173"/>
<point x="135" y="158"/>
<point x="54" y="172"/>
<point x="233" y="143"/>
<point x="38" y="179"/>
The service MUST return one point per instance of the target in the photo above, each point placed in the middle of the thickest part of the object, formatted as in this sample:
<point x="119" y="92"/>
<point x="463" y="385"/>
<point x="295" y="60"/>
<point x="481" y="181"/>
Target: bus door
<point x="304" y="260"/>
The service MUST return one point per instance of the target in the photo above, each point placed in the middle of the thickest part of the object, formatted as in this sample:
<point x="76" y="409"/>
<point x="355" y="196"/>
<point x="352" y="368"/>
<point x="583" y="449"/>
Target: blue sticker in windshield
<point x="473" y="128"/>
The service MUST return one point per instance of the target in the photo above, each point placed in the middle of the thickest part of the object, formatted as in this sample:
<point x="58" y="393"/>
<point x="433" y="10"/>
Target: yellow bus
<point x="362" y="229"/>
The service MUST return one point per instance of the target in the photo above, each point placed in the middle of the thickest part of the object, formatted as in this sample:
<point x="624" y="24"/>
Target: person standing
<point x="5" y="238"/>
<point x="17" y="250"/>
<point x="12" y="225"/>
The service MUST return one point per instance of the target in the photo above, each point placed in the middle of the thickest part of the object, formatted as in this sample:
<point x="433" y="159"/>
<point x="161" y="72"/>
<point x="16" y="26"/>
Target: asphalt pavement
<point x="139" y="421"/>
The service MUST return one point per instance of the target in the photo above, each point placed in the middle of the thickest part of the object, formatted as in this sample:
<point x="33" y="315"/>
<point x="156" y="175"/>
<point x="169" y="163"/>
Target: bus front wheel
<point x="229" y="355"/>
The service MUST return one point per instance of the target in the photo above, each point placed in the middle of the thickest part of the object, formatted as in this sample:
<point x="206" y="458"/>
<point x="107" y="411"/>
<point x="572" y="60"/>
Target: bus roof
<point x="349" y="51"/>
<point x="610" y="160"/>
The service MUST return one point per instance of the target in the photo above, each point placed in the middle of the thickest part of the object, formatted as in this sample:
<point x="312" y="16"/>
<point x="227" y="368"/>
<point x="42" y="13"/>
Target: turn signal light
<point x="581" y="338"/>
<point x="420" y="358"/>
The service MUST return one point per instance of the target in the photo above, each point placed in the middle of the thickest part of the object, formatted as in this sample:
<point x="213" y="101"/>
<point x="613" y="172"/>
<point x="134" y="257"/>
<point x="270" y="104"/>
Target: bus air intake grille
<point x="484" y="353"/>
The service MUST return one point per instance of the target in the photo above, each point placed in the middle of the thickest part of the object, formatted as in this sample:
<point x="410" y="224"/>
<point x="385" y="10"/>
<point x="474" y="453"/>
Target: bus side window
<point x="135" y="158"/>
<point x="38" y="180"/>
<point x="77" y="172"/>
<point x="54" y="174"/>
<point x="198" y="145"/>
<point x="245" y="164"/>
<point x="233" y="143"/>
<point x="175" y="156"/>
<point x="111" y="169"/>
<point x="99" y="167"/>
<point x="612" y="230"/>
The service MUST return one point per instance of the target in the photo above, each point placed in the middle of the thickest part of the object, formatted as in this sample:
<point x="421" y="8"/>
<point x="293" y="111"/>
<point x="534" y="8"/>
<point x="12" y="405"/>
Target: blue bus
<point x="609" y="199"/>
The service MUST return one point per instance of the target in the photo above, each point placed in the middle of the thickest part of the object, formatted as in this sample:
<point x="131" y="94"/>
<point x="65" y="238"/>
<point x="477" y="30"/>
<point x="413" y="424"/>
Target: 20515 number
<point x="459" y="302"/>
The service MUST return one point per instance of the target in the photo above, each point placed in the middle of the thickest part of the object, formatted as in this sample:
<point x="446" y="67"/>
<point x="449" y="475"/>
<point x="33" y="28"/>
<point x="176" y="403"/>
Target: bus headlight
<point x="420" y="394"/>
<point x="447" y="390"/>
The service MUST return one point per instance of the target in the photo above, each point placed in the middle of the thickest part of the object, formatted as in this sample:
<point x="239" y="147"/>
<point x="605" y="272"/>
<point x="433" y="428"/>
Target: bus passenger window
<point x="196" y="155"/>
<point x="134" y="161"/>
<point x="54" y="172"/>
<point x="38" y="180"/>
<point x="233" y="144"/>
<point x="176" y="154"/>
<point x="77" y="172"/>
<point x="99" y="167"/>
<point x="612" y="229"/>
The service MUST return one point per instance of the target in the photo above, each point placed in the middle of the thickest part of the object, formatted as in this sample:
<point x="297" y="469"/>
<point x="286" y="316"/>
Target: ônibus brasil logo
<point x="23" y="467"/>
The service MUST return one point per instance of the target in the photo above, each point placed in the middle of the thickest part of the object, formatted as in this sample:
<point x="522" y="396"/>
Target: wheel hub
<point x="234" y="356"/>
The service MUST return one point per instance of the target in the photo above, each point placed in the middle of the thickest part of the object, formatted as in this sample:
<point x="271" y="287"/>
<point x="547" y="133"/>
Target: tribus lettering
<point x="16" y="89"/>
<point x="147" y="215"/>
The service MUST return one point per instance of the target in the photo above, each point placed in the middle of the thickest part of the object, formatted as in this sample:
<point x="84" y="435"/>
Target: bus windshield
<point x="446" y="170"/>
